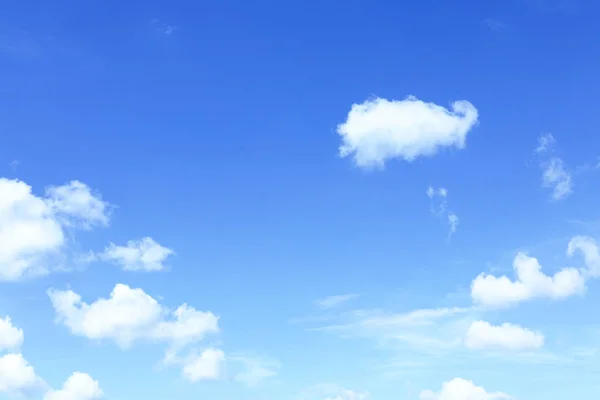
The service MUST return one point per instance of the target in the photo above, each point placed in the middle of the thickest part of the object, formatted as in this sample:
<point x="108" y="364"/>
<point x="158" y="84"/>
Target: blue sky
<point x="268" y="191"/>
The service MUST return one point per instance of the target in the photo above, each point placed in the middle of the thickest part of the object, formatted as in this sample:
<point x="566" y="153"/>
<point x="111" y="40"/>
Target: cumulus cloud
<point x="461" y="389"/>
<point x="78" y="386"/>
<point x="32" y="228"/>
<point x="138" y="255"/>
<point x="379" y="130"/>
<point x="206" y="366"/>
<point x="17" y="376"/>
<point x="482" y="335"/>
<point x="334" y="301"/>
<point x="129" y="315"/>
<point x="531" y="282"/>
<point x="11" y="337"/>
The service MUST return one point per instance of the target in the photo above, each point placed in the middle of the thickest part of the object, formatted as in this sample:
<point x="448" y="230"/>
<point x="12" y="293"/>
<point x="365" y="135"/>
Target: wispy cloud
<point x="255" y="370"/>
<point x="555" y="174"/>
<point x="494" y="24"/>
<point x="439" y="206"/>
<point x="335" y="301"/>
<point x="426" y="330"/>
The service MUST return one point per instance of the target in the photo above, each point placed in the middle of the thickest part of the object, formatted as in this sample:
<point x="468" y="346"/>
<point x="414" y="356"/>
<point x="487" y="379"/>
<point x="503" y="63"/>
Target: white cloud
<point x="256" y="370"/>
<point x="588" y="247"/>
<point x="423" y="329"/>
<point x="482" y="335"/>
<point x="531" y="282"/>
<point x="546" y="142"/>
<point x="452" y="222"/>
<point x="78" y="204"/>
<point x="32" y="227"/>
<point x="130" y="315"/>
<point x="334" y="301"/>
<point x="138" y="255"/>
<point x="78" y="386"/>
<point x="379" y="130"/>
<point x="206" y="366"/>
<point x="555" y="176"/>
<point x="461" y="389"/>
<point x="11" y="337"/>
<point x="16" y="375"/>
<point x="439" y="207"/>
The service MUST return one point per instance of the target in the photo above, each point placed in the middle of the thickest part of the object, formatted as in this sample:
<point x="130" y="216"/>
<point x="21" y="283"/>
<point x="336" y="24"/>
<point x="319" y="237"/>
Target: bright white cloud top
<point x="379" y="130"/>
<point x="461" y="389"/>
<point x="530" y="283"/>
<point x="19" y="379"/>
<point x="32" y="228"/>
<point x="78" y="386"/>
<point x="11" y="337"/>
<point x="130" y="315"/>
<point x="206" y="366"/>
<point x="483" y="335"/>
<point x="138" y="255"/>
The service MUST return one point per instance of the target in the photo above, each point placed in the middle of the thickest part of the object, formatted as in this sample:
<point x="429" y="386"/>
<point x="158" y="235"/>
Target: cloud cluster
<point x="531" y="282"/>
<point x="129" y="315"/>
<point x="18" y="377"/>
<point x="32" y="228"/>
<point x="379" y="130"/>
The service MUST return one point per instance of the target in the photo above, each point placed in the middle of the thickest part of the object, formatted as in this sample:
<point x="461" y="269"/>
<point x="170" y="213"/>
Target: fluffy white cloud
<point x="32" y="227"/>
<point x="130" y="315"/>
<point x="78" y="386"/>
<point x="138" y="255"/>
<point x="461" y="389"/>
<point x="483" y="335"/>
<point x="76" y="202"/>
<point x="206" y="366"/>
<point x="379" y="130"/>
<point x="16" y="375"/>
<point x="11" y="337"/>
<point x="588" y="247"/>
<point x="334" y="301"/>
<point x="530" y="283"/>
<point x="555" y="176"/>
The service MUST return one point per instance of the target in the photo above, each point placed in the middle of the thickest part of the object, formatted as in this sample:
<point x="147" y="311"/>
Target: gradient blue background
<point x="218" y="140"/>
